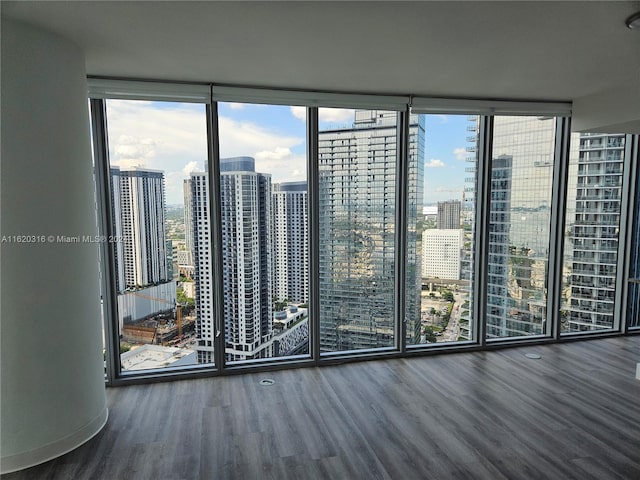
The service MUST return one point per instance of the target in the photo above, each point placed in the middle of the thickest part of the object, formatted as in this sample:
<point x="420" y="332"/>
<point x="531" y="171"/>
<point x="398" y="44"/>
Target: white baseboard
<point x="20" y="461"/>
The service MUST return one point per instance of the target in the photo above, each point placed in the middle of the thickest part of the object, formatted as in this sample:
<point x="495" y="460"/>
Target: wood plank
<point x="573" y="414"/>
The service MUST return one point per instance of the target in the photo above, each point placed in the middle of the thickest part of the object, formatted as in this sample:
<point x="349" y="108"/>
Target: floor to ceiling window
<point x="265" y="230"/>
<point x="357" y="162"/>
<point x="633" y="307"/>
<point x="519" y="225"/>
<point x="246" y="232"/>
<point x="163" y="303"/>
<point x="440" y="228"/>
<point x="592" y="230"/>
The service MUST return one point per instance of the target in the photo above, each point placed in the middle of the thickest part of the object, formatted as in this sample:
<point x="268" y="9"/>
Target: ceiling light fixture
<point x="633" y="22"/>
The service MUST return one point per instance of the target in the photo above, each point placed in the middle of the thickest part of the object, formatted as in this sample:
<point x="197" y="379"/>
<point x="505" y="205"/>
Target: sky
<point x="172" y="137"/>
<point x="444" y="159"/>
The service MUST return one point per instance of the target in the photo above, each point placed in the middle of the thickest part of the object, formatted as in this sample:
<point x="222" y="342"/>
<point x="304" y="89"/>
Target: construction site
<point x="167" y="328"/>
<point x="152" y="316"/>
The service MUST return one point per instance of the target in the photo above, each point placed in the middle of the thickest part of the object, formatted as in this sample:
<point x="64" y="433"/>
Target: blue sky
<point x="445" y="144"/>
<point x="172" y="137"/>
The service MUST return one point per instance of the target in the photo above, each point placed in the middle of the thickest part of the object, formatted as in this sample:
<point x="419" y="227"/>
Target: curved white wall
<point x="53" y="395"/>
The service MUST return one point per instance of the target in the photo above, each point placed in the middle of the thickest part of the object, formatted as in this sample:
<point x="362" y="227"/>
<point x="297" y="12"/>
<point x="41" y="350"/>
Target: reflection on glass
<point x="633" y="313"/>
<point x="264" y="230"/>
<point x="357" y="189"/>
<point x="440" y="268"/>
<point x="591" y="232"/>
<point x="521" y="184"/>
<point x="152" y="148"/>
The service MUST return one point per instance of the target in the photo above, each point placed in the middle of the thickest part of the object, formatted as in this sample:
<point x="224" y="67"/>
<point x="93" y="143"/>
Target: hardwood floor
<point x="573" y="414"/>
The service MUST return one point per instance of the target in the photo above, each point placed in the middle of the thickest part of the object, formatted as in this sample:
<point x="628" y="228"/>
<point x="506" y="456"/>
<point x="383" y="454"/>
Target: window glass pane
<point x="440" y="228"/>
<point x="357" y="196"/>
<point x="591" y="232"/>
<point x="633" y="314"/>
<point x="163" y="305"/>
<point x="520" y="215"/>
<point x="265" y="257"/>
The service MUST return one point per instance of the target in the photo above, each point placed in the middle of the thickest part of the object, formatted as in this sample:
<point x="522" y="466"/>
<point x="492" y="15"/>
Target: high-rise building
<point x="203" y="268"/>
<point x="498" y="258"/>
<point x="520" y="225"/>
<point x="290" y="242"/>
<point x="357" y="175"/>
<point x="468" y="217"/>
<point x="595" y="232"/>
<point x="143" y="255"/>
<point x="247" y="261"/>
<point x="441" y="256"/>
<point x="116" y="217"/>
<point x="139" y="222"/>
<point x="449" y="215"/>
<point x="188" y="217"/>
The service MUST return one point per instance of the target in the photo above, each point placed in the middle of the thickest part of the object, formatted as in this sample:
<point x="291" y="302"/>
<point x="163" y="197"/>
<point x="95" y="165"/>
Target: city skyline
<point x="357" y="163"/>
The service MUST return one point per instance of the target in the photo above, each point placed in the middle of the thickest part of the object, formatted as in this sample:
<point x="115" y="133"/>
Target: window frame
<point x="101" y="89"/>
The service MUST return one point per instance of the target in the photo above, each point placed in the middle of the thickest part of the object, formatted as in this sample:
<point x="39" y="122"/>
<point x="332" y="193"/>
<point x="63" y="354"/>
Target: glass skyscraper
<point x="519" y="229"/>
<point x="357" y="169"/>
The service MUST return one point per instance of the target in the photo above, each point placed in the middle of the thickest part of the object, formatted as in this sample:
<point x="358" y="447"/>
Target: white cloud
<point x="434" y="163"/>
<point x="246" y="138"/>
<point x="235" y="106"/>
<point x="442" y="118"/>
<point x="128" y="150"/>
<point x="190" y="167"/>
<point x="273" y="151"/>
<point x="172" y="138"/>
<point x="129" y="162"/>
<point x="167" y="137"/>
<point x="300" y="113"/>
<point x="335" y="115"/>
<point x="278" y="154"/>
<point x="460" y="153"/>
<point x="142" y="130"/>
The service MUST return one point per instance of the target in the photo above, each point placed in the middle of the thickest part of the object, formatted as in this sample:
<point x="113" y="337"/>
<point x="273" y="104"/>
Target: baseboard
<point x="20" y="461"/>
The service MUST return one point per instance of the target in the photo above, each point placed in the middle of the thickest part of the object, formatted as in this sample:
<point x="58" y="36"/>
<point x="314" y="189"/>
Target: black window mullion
<point x="215" y="216"/>
<point x="105" y="229"/>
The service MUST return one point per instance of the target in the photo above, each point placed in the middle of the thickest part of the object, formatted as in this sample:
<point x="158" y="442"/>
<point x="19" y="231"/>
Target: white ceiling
<point x="506" y="50"/>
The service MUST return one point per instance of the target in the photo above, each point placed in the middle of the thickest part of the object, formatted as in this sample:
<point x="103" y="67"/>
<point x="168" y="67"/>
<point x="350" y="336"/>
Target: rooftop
<point x="156" y="356"/>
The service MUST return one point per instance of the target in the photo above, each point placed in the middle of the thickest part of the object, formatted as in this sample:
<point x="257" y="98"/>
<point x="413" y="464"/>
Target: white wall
<point x="52" y="374"/>
<point x="612" y="111"/>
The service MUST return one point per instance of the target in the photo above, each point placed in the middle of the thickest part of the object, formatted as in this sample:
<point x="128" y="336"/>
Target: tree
<point x="278" y="305"/>
<point x="429" y="334"/>
<point x="448" y="296"/>
<point x="182" y="298"/>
